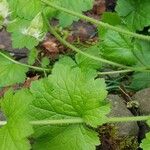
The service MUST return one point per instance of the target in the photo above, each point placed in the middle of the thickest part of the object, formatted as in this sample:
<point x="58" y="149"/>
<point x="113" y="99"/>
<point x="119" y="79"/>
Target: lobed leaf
<point x="134" y="12"/>
<point x="67" y="94"/>
<point x="141" y="80"/>
<point x="11" y="73"/>
<point x="76" y="137"/>
<point x="78" y="6"/>
<point x="14" y="134"/>
<point x="118" y="48"/>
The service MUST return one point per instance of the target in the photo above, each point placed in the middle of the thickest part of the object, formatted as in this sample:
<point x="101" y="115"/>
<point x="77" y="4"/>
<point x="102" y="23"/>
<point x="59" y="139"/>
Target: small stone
<point x="119" y="109"/>
<point x="143" y="98"/>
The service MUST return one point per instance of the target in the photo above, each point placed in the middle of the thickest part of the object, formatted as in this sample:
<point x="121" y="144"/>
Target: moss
<point x="111" y="141"/>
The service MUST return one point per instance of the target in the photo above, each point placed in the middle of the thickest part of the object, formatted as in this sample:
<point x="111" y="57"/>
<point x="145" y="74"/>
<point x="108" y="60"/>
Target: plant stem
<point x="126" y="119"/>
<point x="63" y="41"/>
<point x="78" y="50"/>
<point x="58" y="122"/>
<point x="99" y="23"/>
<point x="80" y="120"/>
<point x="52" y="122"/>
<point x="25" y="65"/>
<point x="114" y="72"/>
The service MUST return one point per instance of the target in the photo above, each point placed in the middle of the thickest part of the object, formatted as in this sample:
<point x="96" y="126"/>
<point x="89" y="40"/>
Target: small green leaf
<point x="66" y="60"/>
<point x="13" y="135"/>
<point x="11" y="73"/>
<point x="36" y="28"/>
<point x="45" y="62"/>
<point x="33" y="53"/>
<point x="19" y="38"/>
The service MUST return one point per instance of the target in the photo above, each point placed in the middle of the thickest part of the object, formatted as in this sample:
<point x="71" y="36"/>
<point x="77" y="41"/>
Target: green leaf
<point x="76" y="137"/>
<point x="13" y="135"/>
<point x="23" y="41"/>
<point x="29" y="9"/>
<point x="142" y="53"/>
<point x="20" y="37"/>
<point x="75" y="91"/>
<point x="36" y="28"/>
<point x="1" y="22"/>
<point x="110" y="18"/>
<point x="11" y="73"/>
<point x="77" y="6"/>
<point x="118" y="48"/>
<point x="141" y="80"/>
<point x="66" y="60"/>
<point x="4" y="11"/>
<point x="45" y="62"/>
<point x="27" y="25"/>
<point x="134" y="12"/>
<point x="25" y="9"/>
<point x="145" y="145"/>
<point x="33" y="53"/>
<point x="67" y="94"/>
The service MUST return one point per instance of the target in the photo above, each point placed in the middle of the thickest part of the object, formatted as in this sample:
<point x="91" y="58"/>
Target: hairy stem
<point x="127" y="119"/>
<point x="80" y="120"/>
<point x="114" y="72"/>
<point x="25" y="65"/>
<point x="63" y="41"/>
<point x="52" y="122"/>
<point x="58" y="122"/>
<point x="99" y="23"/>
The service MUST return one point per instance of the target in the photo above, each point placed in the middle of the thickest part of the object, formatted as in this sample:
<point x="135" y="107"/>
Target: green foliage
<point x="141" y="80"/>
<point x="135" y="13"/>
<point x="110" y="18"/>
<point x="77" y="6"/>
<point x="27" y="23"/>
<point x="33" y="53"/>
<point x="27" y="33"/>
<point x="45" y="62"/>
<point x="118" y="48"/>
<point x="14" y="134"/>
<point x="4" y="12"/>
<point x="115" y="46"/>
<point x="72" y="91"/>
<point x="67" y="94"/>
<point x="77" y="137"/>
<point x="19" y="39"/>
<point x="146" y="142"/>
<point x="88" y="65"/>
<point x="11" y="73"/>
